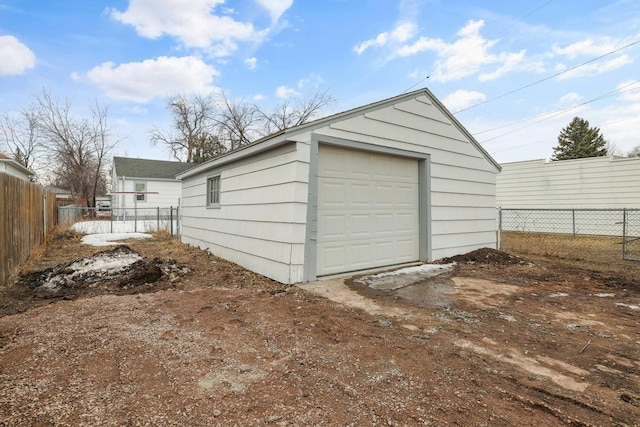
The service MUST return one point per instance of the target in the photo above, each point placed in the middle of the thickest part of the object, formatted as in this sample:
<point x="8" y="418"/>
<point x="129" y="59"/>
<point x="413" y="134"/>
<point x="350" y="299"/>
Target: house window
<point x="213" y="191"/>
<point x="140" y="186"/>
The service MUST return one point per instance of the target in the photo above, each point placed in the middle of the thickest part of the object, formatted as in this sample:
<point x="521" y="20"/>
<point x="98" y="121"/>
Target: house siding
<point x="594" y="183"/>
<point x="261" y="221"/>
<point x="462" y="179"/>
<point x="169" y="194"/>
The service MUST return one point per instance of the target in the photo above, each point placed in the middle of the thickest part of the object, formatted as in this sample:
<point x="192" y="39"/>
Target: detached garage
<point x="388" y="183"/>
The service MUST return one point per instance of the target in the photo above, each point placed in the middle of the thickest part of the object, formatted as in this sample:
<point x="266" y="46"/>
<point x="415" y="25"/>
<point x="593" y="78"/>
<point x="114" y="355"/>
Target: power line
<point x="619" y="90"/>
<point x="552" y="114"/>
<point x="522" y="18"/>
<point x="549" y="77"/>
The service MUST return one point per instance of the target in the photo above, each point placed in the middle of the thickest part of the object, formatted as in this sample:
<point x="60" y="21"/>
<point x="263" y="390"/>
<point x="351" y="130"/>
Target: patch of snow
<point x="558" y="295"/>
<point x="604" y="295"/>
<point x="111" y="263"/>
<point x="418" y="269"/>
<point x="404" y="277"/>
<point x="103" y="227"/>
<point x="632" y="307"/>
<point x="109" y="239"/>
<point x="104" y="263"/>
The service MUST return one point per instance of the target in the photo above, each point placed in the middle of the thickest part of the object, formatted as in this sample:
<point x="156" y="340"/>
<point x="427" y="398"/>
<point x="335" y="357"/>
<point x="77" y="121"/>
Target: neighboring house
<point x="12" y="167"/>
<point x="155" y="178"/>
<point x="392" y="182"/>
<point x="63" y="197"/>
<point x="594" y="183"/>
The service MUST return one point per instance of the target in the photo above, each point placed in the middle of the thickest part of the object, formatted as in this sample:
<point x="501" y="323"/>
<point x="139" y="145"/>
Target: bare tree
<point x="22" y="138"/>
<point x="236" y="122"/>
<point x="634" y="152"/>
<point x="207" y="126"/>
<point x="294" y="112"/>
<point x="192" y="122"/>
<point x="77" y="146"/>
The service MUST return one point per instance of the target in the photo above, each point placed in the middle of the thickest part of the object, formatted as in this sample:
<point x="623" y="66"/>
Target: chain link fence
<point x="571" y="233"/>
<point x="107" y="220"/>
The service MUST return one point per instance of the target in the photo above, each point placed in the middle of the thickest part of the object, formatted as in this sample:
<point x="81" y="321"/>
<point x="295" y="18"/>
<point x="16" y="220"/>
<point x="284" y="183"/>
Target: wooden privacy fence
<point x="27" y="213"/>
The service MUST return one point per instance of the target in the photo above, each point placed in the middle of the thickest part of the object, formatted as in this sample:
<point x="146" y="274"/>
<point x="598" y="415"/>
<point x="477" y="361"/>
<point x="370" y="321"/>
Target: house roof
<point x="17" y="165"/>
<point x="147" y="168"/>
<point x="283" y="135"/>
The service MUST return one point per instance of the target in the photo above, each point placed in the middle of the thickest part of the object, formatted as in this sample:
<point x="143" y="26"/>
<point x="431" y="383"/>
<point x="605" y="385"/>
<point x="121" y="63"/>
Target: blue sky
<point x="132" y="54"/>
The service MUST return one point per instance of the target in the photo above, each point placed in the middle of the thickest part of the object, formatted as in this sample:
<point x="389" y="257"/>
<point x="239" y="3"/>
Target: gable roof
<point x="147" y="168"/>
<point x="283" y="135"/>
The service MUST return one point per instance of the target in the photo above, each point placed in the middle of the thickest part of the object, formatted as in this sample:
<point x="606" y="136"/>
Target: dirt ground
<point x="179" y="337"/>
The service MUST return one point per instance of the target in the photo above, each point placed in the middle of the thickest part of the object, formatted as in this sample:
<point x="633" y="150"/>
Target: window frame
<point x="136" y="198"/>
<point x="210" y="195"/>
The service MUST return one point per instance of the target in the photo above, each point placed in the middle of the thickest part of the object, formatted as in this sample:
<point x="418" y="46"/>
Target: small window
<point x="140" y="186"/>
<point x="213" y="191"/>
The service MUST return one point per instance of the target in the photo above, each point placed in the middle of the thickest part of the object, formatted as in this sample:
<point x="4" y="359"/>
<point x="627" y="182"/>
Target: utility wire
<point x="619" y="90"/>
<point x="558" y="112"/>
<point x="549" y="77"/>
<point x="522" y="18"/>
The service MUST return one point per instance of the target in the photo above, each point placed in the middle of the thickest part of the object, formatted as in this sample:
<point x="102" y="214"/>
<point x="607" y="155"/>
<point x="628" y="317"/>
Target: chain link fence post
<point x="499" y="242"/>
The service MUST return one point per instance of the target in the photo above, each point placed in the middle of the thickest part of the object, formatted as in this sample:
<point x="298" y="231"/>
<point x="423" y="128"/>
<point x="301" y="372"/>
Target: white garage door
<point x="367" y="210"/>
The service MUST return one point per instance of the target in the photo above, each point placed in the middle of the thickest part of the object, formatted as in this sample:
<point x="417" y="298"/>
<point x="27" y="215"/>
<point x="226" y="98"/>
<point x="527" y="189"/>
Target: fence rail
<point x="621" y="225"/>
<point x="96" y="220"/>
<point x="27" y="214"/>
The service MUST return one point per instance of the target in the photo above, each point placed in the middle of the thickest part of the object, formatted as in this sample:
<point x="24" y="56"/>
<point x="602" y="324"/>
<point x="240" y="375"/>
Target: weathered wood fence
<point x="27" y="213"/>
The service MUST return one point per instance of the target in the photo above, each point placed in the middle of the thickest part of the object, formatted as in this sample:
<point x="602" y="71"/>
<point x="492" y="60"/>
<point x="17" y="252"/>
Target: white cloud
<point x="259" y="97"/>
<point x="190" y="21"/>
<point x="630" y="91"/>
<point x="465" y="56"/>
<point x="275" y="7"/>
<point x="462" y="99"/>
<point x="596" y="68"/>
<point x="313" y="80"/>
<point x="571" y="98"/>
<point x="509" y="61"/>
<point x="400" y="34"/>
<point x="285" y="92"/>
<point x="588" y="47"/>
<point x="251" y="63"/>
<point x="15" y="57"/>
<point x="143" y="81"/>
<point x="591" y="47"/>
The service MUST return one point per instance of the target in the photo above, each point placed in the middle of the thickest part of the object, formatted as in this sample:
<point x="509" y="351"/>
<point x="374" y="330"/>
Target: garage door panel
<point x="333" y="257"/>
<point x="332" y="226"/>
<point x="360" y="225"/>
<point x="360" y="195"/>
<point x="367" y="212"/>
<point x="333" y="194"/>
<point x="406" y="249"/>
<point x="405" y="196"/>
<point x="385" y="224"/>
<point x="404" y="222"/>
<point x="384" y="252"/>
<point x="360" y="254"/>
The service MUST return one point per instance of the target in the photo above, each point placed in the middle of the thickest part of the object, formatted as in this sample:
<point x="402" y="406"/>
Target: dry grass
<point x="591" y="252"/>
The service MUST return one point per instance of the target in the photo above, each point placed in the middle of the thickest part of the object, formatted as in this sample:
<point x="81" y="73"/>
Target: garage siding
<point x="462" y="180"/>
<point x="261" y="222"/>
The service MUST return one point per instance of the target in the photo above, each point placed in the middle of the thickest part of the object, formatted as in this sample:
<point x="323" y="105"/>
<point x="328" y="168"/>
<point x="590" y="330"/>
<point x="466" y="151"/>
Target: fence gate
<point x="631" y="235"/>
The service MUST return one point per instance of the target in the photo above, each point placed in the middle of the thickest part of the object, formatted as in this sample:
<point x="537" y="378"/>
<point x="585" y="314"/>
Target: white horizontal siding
<point x="169" y="194"/>
<point x="585" y="183"/>
<point x="261" y="222"/>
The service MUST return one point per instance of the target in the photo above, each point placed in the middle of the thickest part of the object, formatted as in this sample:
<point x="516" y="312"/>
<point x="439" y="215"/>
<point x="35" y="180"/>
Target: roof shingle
<point x="146" y="168"/>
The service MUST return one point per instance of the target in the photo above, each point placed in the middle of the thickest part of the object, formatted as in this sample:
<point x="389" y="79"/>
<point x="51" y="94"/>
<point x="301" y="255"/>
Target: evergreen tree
<point x="578" y="140"/>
